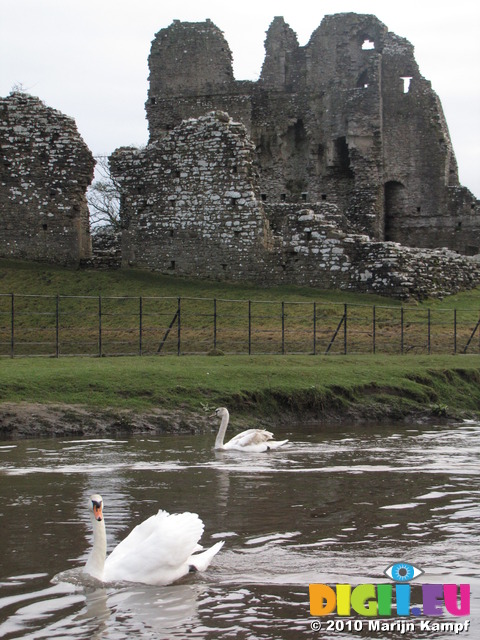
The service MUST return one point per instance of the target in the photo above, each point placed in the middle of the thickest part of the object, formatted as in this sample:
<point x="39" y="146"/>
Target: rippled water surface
<point x="338" y="505"/>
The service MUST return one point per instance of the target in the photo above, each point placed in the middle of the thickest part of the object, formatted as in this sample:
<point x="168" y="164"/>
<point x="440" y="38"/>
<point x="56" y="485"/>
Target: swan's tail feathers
<point x="275" y="444"/>
<point x="200" y="561"/>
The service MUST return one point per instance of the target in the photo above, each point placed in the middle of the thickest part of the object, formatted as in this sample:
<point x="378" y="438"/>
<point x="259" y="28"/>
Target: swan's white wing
<point x="157" y="550"/>
<point x="249" y="437"/>
<point x="254" y="440"/>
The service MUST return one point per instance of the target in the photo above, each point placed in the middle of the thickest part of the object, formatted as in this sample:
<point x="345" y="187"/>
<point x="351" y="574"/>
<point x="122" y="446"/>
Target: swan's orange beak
<point x="97" y="511"/>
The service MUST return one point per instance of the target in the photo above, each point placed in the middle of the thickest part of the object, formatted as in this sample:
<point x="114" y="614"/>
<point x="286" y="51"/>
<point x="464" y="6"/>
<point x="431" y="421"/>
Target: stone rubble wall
<point x="45" y="169"/>
<point x="192" y="207"/>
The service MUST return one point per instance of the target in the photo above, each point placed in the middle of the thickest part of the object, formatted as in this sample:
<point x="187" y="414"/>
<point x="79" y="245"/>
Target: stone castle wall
<point x="192" y="207"/>
<point x="334" y="170"/>
<point x="45" y="170"/>
<point x="347" y="118"/>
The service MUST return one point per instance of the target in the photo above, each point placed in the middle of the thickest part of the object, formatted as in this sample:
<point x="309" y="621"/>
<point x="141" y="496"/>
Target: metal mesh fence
<point x="39" y="325"/>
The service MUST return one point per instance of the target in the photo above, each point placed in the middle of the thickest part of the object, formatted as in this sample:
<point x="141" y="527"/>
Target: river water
<point x="337" y="505"/>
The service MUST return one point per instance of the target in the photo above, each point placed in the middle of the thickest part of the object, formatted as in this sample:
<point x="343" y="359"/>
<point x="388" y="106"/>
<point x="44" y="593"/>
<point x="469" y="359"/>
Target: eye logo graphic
<point x="402" y="572"/>
<point x="380" y="599"/>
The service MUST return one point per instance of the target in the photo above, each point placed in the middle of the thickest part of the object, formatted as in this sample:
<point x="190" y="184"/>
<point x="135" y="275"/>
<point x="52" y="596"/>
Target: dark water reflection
<point x="335" y="506"/>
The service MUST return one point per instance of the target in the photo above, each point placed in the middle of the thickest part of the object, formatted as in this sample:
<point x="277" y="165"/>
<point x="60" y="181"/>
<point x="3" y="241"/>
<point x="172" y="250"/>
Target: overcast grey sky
<point x="89" y="58"/>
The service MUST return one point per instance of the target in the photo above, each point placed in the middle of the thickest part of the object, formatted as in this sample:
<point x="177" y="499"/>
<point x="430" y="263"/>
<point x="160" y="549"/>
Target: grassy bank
<point x="157" y="392"/>
<point x="267" y="388"/>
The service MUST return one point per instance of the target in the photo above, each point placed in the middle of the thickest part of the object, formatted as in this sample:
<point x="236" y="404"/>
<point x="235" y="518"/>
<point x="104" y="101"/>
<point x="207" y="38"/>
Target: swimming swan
<point x="158" y="551"/>
<point x="256" y="440"/>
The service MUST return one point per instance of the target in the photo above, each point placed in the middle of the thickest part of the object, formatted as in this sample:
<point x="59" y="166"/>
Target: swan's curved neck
<point x="221" y="431"/>
<point x="96" y="559"/>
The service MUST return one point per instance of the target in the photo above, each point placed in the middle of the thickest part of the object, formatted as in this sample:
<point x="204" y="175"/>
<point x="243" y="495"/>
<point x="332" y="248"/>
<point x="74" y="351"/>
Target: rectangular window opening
<point x="368" y="44"/>
<point x="406" y="83"/>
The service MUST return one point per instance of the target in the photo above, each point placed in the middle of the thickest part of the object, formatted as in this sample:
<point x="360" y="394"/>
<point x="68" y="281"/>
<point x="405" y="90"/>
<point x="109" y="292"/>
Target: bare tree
<point x="103" y="197"/>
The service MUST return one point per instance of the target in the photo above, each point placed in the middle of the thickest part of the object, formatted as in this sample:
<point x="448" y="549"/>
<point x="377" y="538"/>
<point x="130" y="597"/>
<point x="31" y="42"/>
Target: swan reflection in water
<point x="148" y="607"/>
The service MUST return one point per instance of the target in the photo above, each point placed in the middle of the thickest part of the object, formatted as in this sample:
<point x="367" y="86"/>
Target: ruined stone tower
<point x="347" y="119"/>
<point x="45" y="170"/>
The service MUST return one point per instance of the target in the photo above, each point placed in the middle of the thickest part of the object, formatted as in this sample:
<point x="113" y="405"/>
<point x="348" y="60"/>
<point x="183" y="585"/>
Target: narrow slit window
<point x="406" y="83"/>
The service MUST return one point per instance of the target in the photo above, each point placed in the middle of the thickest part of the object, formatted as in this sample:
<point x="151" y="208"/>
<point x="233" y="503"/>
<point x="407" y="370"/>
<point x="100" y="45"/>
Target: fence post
<point x="283" y="328"/>
<point x="12" y="327"/>
<point x="314" y="328"/>
<point x="140" y="325"/>
<point x="57" y="326"/>
<point x="401" y="330"/>
<point x="249" y="327"/>
<point x="455" y="331"/>
<point x="374" y="327"/>
<point x="429" y="333"/>
<point x="99" y="326"/>
<point x="215" y="324"/>
<point x="345" y="329"/>
<point x="179" y="328"/>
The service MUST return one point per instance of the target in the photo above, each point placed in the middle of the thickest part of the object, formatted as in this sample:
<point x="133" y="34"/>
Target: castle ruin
<point x="334" y="169"/>
<point x="45" y="171"/>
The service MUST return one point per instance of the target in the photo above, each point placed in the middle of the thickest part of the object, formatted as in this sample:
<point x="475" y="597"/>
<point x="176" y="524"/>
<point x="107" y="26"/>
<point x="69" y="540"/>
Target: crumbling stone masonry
<point x="348" y="118"/>
<point x="189" y="202"/>
<point x="319" y="173"/>
<point x="46" y="168"/>
<point x="190" y="207"/>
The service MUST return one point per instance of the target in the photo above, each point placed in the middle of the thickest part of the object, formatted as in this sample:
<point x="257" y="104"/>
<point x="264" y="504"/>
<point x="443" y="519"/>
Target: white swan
<point x="256" y="440"/>
<point x="158" y="551"/>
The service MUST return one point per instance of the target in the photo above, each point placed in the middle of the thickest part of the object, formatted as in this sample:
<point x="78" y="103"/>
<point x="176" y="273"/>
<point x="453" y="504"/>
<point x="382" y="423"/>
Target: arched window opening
<point x="362" y="82"/>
